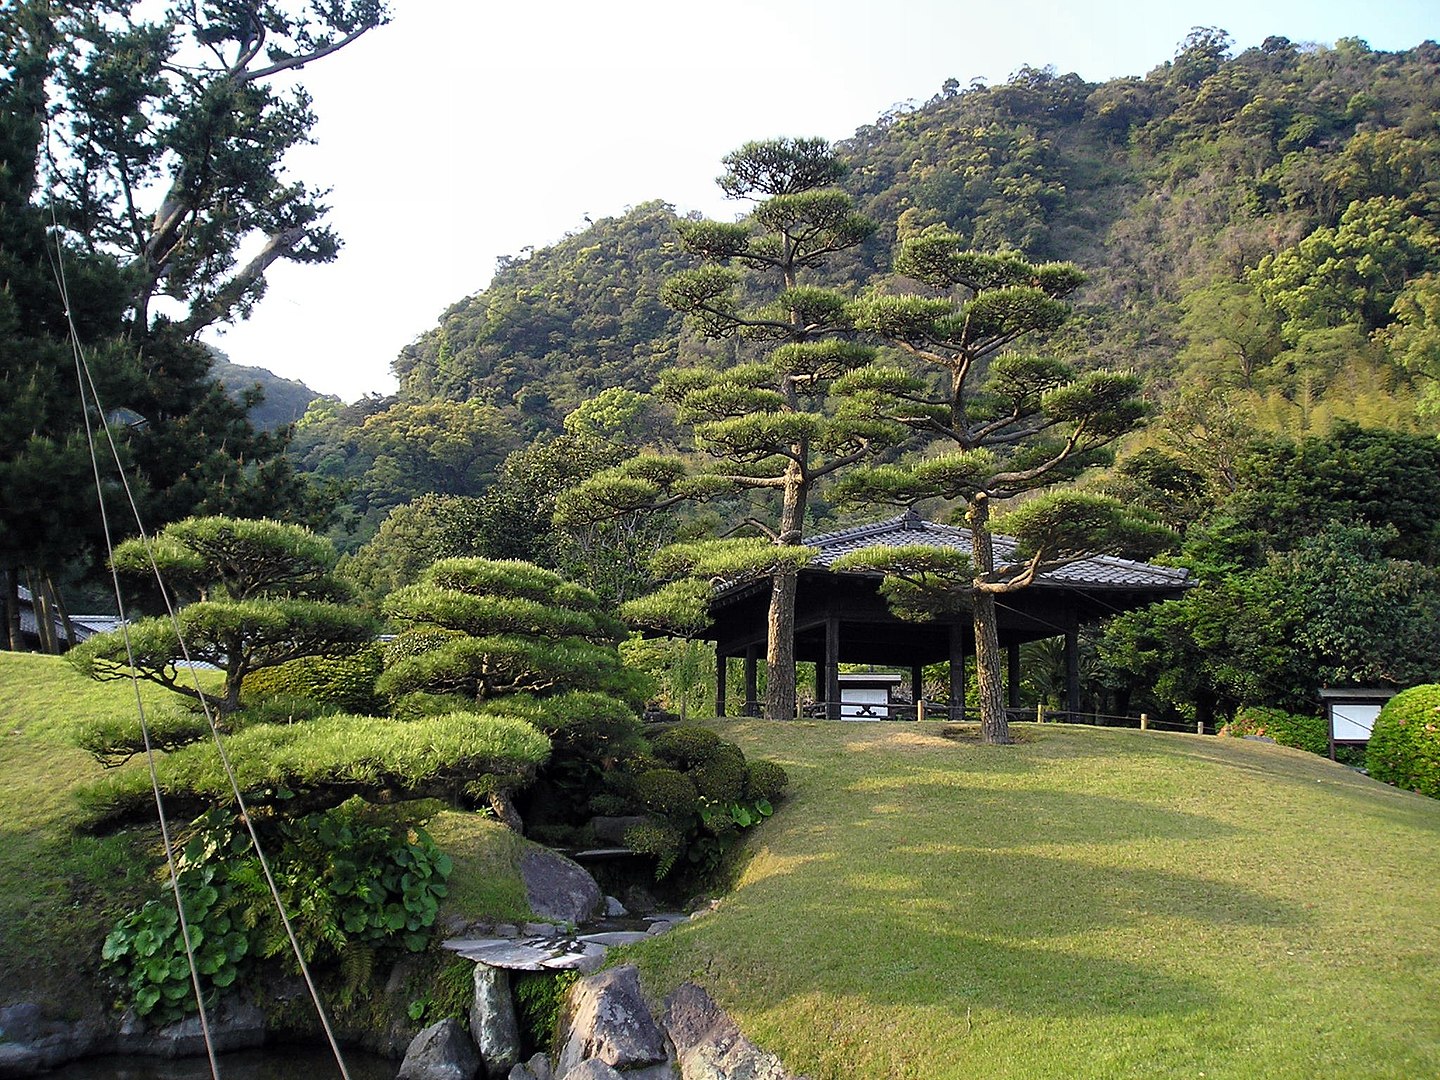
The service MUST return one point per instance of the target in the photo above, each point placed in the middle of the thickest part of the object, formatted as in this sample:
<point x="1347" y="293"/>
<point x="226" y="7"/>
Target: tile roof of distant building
<point x="1097" y="571"/>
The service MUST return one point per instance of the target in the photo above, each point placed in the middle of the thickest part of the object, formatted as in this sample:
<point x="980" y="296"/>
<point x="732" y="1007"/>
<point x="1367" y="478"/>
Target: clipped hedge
<point x="341" y="755"/>
<point x="667" y="792"/>
<point x="765" y="780"/>
<point x="1404" y="747"/>
<point x="1310" y="733"/>
<point x="685" y="747"/>
<point x="346" y="683"/>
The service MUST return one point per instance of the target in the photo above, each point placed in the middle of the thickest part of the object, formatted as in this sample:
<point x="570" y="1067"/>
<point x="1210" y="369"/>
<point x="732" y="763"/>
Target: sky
<point x="466" y="131"/>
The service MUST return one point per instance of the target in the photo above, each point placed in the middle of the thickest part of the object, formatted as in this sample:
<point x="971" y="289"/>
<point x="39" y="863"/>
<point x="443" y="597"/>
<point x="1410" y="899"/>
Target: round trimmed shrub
<point x="1310" y="733"/>
<point x="1404" y="747"/>
<point x="722" y="778"/>
<point x="667" y="792"/>
<point x="765" y="780"/>
<point x="417" y="641"/>
<point x="685" y="747"/>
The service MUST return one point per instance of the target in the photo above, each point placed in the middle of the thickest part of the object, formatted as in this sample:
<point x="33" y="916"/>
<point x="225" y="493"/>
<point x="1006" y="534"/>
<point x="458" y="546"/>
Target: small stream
<point x="279" y="1062"/>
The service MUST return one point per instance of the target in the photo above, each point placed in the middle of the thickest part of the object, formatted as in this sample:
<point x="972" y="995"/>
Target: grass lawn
<point x="1090" y="903"/>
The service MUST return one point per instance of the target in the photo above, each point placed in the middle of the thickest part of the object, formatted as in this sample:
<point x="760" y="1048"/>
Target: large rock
<point x="537" y="1068"/>
<point x="594" y="1069"/>
<point x="709" y="1044"/>
<point x="21" y="1023"/>
<point x="493" y="1025"/>
<point x="607" y="1019"/>
<point x="557" y="888"/>
<point x="233" y="1025"/>
<point x="441" y="1052"/>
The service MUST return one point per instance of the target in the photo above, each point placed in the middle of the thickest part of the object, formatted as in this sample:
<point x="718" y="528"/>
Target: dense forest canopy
<point x="1259" y="226"/>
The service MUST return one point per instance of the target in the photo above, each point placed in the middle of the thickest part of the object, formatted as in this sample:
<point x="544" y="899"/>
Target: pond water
<point x="273" y="1063"/>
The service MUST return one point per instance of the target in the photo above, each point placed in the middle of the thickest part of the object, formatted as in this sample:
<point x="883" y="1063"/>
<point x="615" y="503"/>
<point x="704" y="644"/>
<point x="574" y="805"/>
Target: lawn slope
<point x="1090" y="903"/>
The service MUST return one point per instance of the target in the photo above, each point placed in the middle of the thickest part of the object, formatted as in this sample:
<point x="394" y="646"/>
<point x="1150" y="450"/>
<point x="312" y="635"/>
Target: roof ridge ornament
<point x="911" y="520"/>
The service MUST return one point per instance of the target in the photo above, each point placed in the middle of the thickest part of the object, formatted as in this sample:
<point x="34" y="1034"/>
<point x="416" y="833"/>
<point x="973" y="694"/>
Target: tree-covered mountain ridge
<point x="1263" y="221"/>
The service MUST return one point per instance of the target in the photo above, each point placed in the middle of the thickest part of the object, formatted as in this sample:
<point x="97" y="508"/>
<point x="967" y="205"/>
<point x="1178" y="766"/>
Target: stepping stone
<point x="616" y="937"/>
<point x="584" y="962"/>
<point x="512" y="955"/>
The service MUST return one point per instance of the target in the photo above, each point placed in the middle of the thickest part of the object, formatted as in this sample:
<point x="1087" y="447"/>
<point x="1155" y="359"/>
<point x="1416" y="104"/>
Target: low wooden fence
<point x="848" y="710"/>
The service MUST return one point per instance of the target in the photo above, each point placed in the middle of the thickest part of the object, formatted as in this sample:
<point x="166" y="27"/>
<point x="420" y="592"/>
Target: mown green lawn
<point x="1090" y="903"/>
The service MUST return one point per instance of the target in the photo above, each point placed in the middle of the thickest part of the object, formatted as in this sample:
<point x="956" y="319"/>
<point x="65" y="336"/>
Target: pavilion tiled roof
<point x="903" y="530"/>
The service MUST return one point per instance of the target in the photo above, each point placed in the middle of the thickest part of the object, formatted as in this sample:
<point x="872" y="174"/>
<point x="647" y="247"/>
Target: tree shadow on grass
<point x="904" y="912"/>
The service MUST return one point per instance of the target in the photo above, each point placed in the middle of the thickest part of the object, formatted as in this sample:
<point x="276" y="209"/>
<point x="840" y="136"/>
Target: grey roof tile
<point x="1097" y="571"/>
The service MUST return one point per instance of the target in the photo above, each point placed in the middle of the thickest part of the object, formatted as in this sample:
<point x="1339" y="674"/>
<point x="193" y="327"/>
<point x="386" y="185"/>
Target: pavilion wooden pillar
<point x="957" y="672"/>
<point x="832" y="668"/>
<point x="1072" y="669"/>
<point x="721" y="663"/>
<point x="1012" y="675"/>
<point x="752" y="701"/>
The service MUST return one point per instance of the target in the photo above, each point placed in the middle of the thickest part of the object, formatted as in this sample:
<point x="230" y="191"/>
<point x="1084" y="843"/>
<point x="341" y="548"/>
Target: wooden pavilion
<point x="840" y="617"/>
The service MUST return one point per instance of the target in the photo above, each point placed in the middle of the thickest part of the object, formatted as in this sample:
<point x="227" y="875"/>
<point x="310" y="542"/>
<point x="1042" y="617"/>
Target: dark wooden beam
<point x="957" y="672"/>
<point x="1012" y="675"/>
<point x="1072" y="669"/>
<point x="721" y="662"/>
<point x="832" y="668"/>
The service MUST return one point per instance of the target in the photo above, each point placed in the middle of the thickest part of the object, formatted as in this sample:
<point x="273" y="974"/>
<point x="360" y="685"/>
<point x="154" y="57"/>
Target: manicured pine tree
<point x="776" y="426"/>
<point x="999" y="424"/>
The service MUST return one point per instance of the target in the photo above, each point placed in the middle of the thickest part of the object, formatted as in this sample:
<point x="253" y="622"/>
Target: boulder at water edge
<point x="558" y="888"/>
<point x="607" y="1019"/>
<point x="442" y="1051"/>
<point x="493" y="1025"/>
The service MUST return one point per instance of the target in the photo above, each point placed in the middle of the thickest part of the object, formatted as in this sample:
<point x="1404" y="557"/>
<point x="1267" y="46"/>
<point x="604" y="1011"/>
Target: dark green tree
<point x="166" y="136"/>
<point x="779" y="426"/>
<point x="507" y="638"/>
<point x="998" y="423"/>
<point x="263" y="595"/>
<point x="1335" y="610"/>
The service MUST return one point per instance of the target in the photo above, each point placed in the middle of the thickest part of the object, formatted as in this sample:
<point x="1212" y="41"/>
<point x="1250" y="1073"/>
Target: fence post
<point x="920" y="710"/>
<point x="1039" y="713"/>
<point x="1199" y="727"/>
<point x="1144" y="721"/>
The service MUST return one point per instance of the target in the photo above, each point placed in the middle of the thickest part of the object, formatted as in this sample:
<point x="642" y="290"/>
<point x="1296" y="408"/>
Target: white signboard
<point x="1351" y="722"/>
<point x="864" y="703"/>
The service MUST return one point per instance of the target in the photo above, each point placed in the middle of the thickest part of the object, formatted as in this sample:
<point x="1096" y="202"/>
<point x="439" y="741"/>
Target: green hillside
<point x="1260" y="231"/>
<point x="1160" y="186"/>
<point x="1090" y="903"/>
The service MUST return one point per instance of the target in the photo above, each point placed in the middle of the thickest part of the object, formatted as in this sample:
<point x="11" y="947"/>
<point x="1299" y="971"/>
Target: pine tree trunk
<point x="44" y="617"/>
<point x="780" y="652"/>
<point x="62" y="612"/>
<point x="15" y="642"/>
<point x="989" y="672"/>
<point x="784" y="587"/>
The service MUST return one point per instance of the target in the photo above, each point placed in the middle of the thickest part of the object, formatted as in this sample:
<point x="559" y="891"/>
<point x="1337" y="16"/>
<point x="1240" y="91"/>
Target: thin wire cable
<point x="87" y="378"/>
<point x="58" y="265"/>
<point x="226" y="764"/>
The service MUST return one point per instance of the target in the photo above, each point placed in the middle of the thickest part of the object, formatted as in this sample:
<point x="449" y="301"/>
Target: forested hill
<point x="1263" y="220"/>
<point x="1265" y="224"/>
<point x="555" y="328"/>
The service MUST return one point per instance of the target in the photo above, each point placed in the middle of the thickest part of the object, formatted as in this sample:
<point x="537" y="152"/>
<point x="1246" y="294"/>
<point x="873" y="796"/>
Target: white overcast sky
<point x="464" y="131"/>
